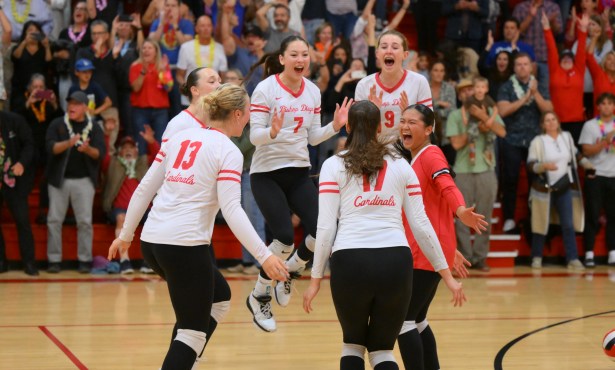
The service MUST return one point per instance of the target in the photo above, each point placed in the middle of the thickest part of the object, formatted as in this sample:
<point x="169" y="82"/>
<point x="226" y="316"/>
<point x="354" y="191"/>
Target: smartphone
<point x="125" y="18"/>
<point x="357" y="75"/>
<point x="38" y="36"/>
<point x="44" y="94"/>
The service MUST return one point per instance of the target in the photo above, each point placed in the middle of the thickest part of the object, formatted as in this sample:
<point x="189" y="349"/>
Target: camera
<point x="37" y="36"/>
<point x="44" y="94"/>
<point x="125" y="18"/>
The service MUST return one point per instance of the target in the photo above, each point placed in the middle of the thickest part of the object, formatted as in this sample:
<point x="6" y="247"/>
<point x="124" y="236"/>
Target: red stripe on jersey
<point x="329" y="191"/>
<point x="413" y="186"/>
<point x="228" y="179"/>
<point x="162" y="153"/>
<point x="258" y="110"/>
<point x="328" y="183"/>
<point x="298" y="94"/>
<point x="259" y="106"/>
<point x="423" y="101"/>
<point x="158" y="159"/>
<point x="401" y="81"/>
<point x="230" y="171"/>
<point x="165" y="140"/>
<point x="198" y="120"/>
<point x="414" y="193"/>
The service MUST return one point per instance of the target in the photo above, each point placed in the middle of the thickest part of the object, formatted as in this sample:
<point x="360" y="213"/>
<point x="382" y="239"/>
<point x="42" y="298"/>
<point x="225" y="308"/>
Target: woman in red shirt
<point x="443" y="201"/>
<point x="566" y="75"/>
<point x="603" y="75"/>
<point x="150" y="79"/>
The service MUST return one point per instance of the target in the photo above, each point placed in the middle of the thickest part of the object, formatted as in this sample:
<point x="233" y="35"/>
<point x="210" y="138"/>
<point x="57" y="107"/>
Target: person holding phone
<point x="31" y="55"/>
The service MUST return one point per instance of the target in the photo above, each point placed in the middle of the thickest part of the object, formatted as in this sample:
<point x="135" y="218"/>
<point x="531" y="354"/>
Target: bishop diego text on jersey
<point x="302" y="108"/>
<point x="394" y="102"/>
<point x="179" y="178"/>
<point x="375" y="201"/>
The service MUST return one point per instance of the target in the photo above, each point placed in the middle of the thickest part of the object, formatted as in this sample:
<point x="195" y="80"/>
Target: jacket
<point x="17" y="137"/>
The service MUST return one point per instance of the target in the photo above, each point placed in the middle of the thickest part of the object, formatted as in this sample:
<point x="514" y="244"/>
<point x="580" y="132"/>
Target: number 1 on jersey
<point x="299" y="121"/>
<point x="195" y="146"/>
<point x="379" y="179"/>
<point x="390" y="118"/>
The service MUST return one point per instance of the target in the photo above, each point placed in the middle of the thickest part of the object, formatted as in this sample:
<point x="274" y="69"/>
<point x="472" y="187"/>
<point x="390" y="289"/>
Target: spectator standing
<point x="276" y="33"/>
<point x="40" y="109"/>
<point x="603" y="74"/>
<point x="475" y="179"/>
<point x="101" y="56"/>
<point x="342" y="15"/>
<point x="312" y="17"/>
<point x="60" y="12"/>
<point x="464" y="25"/>
<point x="78" y="33"/>
<point x="598" y="144"/>
<point x="31" y="55"/>
<point x="599" y="45"/>
<point x="171" y="31"/>
<point x="203" y="51"/>
<point x="528" y="13"/>
<point x="242" y="58"/>
<point x="151" y="80"/>
<point x="444" y="102"/>
<point x="104" y="10"/>
<point x="5" y="43"/>
<point x="426" y="14"/>
<point x="553" y="158"/>
<point x="520" y="102"/>
<point x="75" y="145"/>
<point x="567" y="72"/>
<point x="17" y="171"/>
<point x="510" y="43"/>
<point x="21" y="12"/>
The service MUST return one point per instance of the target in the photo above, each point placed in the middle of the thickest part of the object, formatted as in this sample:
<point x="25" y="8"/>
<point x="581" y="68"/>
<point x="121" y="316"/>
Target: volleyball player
<point x="284" y="118"/>
<point x="442" y="200"/>
<point x="393" y="85"/>
<point x="363" y="190"/>
<point x="200" y="82"/>
<point x="195" y="174"/>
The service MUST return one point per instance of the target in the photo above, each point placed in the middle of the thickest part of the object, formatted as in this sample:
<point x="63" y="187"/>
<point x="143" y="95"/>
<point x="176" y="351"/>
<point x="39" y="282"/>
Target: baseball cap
<point x="127" y="140"/>
<point x="78" y="96"/>
<point x="83" y="65"/>
<point x="566" y="53"/>
<point x="254" y="31"/>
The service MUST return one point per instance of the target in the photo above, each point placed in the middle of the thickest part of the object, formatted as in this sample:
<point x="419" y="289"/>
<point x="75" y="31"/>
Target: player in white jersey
<point x="284" y="118"/>
<point x="363" y="191"/>
<point x="393" y="85"/>
<point x="200" y="82"/>
<point x="195" y="174"/>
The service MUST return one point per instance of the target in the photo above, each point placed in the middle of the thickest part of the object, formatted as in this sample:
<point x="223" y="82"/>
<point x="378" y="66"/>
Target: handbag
<point x="562" y="185"/>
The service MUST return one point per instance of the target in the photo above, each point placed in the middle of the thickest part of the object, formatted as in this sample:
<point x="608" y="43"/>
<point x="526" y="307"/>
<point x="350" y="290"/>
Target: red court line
<point x="63" y="348"/>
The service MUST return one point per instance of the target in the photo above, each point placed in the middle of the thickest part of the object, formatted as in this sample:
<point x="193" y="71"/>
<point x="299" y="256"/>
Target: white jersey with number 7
<point x="414" y="84"/>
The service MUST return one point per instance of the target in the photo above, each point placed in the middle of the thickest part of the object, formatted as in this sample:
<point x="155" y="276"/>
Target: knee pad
<point x="350" y="349"/>
<point x="407" y="326"/>
<point x="280" y="249"/>
<point x="422" y="325"/>
<point x="193" y="339"/>
<point x="219" y="310"/>
<point x="310" y="243"/>
<point x="377" y="357"/>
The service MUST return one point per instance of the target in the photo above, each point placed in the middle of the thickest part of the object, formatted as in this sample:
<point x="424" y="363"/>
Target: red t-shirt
<point x="126" y="190"/>
<point x="152" y="94"/>
<point x="441" y="199"/>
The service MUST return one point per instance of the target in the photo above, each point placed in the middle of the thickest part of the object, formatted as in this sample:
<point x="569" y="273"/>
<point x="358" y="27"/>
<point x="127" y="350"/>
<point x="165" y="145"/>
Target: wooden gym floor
<point x="515" y="319"/>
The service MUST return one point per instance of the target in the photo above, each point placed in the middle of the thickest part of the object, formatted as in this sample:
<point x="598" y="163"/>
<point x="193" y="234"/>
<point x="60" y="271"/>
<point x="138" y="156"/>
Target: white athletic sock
<point x="589" y="255"/>
<point x="611" y="257"/>
<point x="262" y="287"/>
<point x="294" y="263"/>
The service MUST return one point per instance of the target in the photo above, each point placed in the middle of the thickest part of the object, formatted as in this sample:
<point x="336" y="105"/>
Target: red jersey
<point x="441" y="198"/>
<point x="126" y="190"/>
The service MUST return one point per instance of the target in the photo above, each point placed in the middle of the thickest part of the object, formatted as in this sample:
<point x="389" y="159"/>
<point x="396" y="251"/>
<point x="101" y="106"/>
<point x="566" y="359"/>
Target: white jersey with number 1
<point x="414" y="84"/>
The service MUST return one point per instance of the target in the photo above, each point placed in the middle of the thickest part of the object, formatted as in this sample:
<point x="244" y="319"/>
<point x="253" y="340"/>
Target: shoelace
<point x="264" y="303"/>
<point x="288" y="284"/>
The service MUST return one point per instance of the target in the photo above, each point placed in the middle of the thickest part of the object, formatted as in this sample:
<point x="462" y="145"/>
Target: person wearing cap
<point x="124" y="172"/>
<point x="566" y="82"/>
<point x="98" y="100"/>
<point x="203" y="51"/>
<point x="477" y="181"/>
<point x="75" y="145"/>
<point x="16" y="179"/>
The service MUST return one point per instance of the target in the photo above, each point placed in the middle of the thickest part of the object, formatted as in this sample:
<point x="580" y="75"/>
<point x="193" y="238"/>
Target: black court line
<point x="499" y="358"/>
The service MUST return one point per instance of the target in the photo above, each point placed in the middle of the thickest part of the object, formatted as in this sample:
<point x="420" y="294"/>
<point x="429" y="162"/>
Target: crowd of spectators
<point x="104" y="77"/>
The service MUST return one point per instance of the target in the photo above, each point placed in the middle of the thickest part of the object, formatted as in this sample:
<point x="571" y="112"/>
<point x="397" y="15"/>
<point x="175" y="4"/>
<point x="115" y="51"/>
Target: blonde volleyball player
<point x="200" y="82"/>
<point x="196" y="173"/>
<point x="363" y="191"/>
<point x="284" y="118"/>
<point x="393" y="87"/>
<point x="442" y="200"/>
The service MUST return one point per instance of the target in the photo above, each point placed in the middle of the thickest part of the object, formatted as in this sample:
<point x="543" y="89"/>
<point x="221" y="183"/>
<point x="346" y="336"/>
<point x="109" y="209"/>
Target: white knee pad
<point x="310" y="243"/>
<point x="280" y="249"/>
<point x="350" y="349"/>
<point x="219" y="310"/>
<point x="407" y="326"/>
<point x="192" y="338"/>
<point x="377" y="357"/>
<point x="422" y="325"/>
